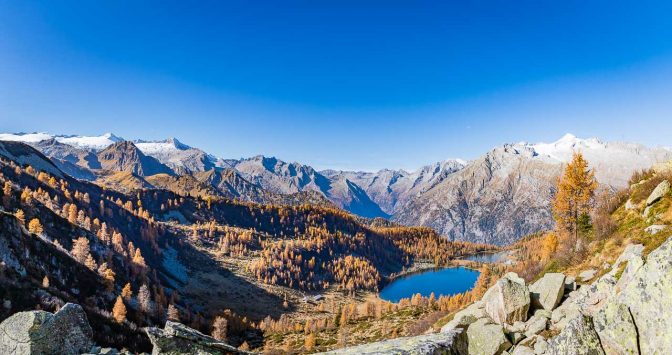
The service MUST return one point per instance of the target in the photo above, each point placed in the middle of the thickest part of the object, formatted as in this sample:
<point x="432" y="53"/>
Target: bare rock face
<point x="441" y="343"/>
<point x="38" y="332"/>
<point x="176" y="338"/>
<point x="508" y="300"/>
<point x="616" y="329"/>
<point x="661" y="190"/>
<point x="487" y="338"/>
<point x="648" y="298"/>
<point x="577" y="338"/>
<point x="547" y="292"/>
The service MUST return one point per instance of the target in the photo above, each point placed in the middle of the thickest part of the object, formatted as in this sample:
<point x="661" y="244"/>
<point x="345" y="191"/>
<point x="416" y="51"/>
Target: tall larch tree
<point x="119" y="310"/>
<point x="574" y="197"/>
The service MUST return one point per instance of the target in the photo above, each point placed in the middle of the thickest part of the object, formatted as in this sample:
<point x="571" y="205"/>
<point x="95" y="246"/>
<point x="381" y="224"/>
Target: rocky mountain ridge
<point x="454" y="197"/>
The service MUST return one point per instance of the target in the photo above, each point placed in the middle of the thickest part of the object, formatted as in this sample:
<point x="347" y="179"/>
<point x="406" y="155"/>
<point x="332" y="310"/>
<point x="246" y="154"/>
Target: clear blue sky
<point x="343" y="84"/>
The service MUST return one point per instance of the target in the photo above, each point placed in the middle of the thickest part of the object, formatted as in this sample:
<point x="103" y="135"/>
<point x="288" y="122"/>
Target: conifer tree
<point x="127" y="292"/>
<point x="173" y="313"/>
<point x="309" y="343"/>
<point x="574" y="197"/>
<point x="81" y="250"/>
<point x="34" y="226"/>
<point x="219" y="328"/>
<point x="20" y="216"/>
<point x="7" y="194"/>
<point x="145" y="299"/>
<point x="119" y="310"/>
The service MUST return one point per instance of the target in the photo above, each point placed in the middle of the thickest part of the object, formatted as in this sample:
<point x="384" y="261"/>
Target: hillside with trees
<point x="137" y="257"/>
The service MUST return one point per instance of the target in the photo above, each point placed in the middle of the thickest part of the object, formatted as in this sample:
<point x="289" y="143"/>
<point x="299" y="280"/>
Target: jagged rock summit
<point x="496" y="198"/>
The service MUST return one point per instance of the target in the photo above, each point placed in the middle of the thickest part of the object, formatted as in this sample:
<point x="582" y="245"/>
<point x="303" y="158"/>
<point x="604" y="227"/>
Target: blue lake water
<point x="488" y="257"/>
<point x="443" y="282"/>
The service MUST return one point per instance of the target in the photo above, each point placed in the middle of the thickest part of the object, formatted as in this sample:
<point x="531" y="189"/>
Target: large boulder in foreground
<point x="577" y="338"/>
<point x="38" y="332"/>
<point x="616" y="329"/>
<point x="508" y="300"/>
<point x="440" y="343"/>
<point x="547" y="292"/>
<point x="648" y="297"/>
<point x="486" y="338"/>
<point x="176" y="338"/>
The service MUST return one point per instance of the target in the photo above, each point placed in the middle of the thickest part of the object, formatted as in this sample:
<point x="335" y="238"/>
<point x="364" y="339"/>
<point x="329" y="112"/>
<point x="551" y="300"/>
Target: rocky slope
<point x="497" y="198"/>
<point x="626" y="311"/>
<point x="125" y="156"/>
<point x="180" y="157"/>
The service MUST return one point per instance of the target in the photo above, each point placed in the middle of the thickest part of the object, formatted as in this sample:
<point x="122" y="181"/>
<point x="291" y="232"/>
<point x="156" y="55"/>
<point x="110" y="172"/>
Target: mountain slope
<point x="125" y="156"/>
<point x="506" y="194"/>
<point x="491" y="198"/>
<point x="180" y="157"/>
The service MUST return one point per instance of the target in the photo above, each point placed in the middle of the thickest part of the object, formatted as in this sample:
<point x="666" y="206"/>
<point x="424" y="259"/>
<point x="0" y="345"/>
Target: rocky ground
<point x="628" y="310"/>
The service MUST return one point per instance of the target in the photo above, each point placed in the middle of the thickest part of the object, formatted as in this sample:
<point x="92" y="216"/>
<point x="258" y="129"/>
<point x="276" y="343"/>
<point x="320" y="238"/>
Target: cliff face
<point x="495" y="199"/>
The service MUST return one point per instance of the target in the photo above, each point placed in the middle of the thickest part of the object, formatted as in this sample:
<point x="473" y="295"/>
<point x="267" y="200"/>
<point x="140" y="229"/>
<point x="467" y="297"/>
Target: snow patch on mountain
<point x="83" y="142"/>
<point x="169" y="145"/>
<point x="90" y="142"/>
<point x="25" y="137"/>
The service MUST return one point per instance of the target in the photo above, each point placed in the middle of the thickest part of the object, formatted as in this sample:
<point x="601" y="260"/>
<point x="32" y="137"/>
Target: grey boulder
<point x="661" y="190"/>
<point x="508" y="300"/>
<point x="547" y="292"/>
<point x="176" y="338"/>
<point x="38" y="332"/>
<point x="486" y="338"/>
<point x="577" y="338"/>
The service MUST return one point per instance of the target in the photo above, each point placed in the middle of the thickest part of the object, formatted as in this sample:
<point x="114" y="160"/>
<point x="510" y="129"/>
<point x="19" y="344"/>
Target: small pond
<point x="443" y="282"/>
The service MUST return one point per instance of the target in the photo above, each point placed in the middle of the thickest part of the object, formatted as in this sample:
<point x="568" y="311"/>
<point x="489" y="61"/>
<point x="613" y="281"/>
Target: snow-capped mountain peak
<point x="164" y="146"/>
<point x="90" y="142"/>
<point x="563" y="148"/>
<point x="84" y="142"/>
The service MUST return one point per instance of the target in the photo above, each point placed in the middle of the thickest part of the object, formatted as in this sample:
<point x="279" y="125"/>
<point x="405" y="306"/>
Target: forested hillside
<point x="136" y="257"/>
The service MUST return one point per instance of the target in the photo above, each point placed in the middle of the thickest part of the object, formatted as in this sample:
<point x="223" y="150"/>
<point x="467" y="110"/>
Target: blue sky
<point x="339" y="84"/>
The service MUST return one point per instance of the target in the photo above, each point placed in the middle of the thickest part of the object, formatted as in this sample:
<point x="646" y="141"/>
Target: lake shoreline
<point x="425" y="279"/>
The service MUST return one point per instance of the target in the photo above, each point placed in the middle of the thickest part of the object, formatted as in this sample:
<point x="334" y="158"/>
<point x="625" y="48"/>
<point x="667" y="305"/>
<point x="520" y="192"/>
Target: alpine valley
<point x="496" y="198"/>
<point x="112" y="246"/>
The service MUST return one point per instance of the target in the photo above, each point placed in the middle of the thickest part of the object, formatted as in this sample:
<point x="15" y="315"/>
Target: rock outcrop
<point x="487" y="338"/>
<point x="176" y="338"/>
<point x="647" y="294"/>
<point x="661" y="190"/>
<point x="441" y="343"/>
<point x="547" y="291"/>
<point x="577" y="338"/>
<point x="508" y="300"/>
<point x="68" y="332"/>
<point x="38" y="332"/>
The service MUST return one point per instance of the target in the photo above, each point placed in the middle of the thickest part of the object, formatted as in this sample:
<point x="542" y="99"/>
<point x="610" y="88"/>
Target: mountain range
<point x="496" y="198"/>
